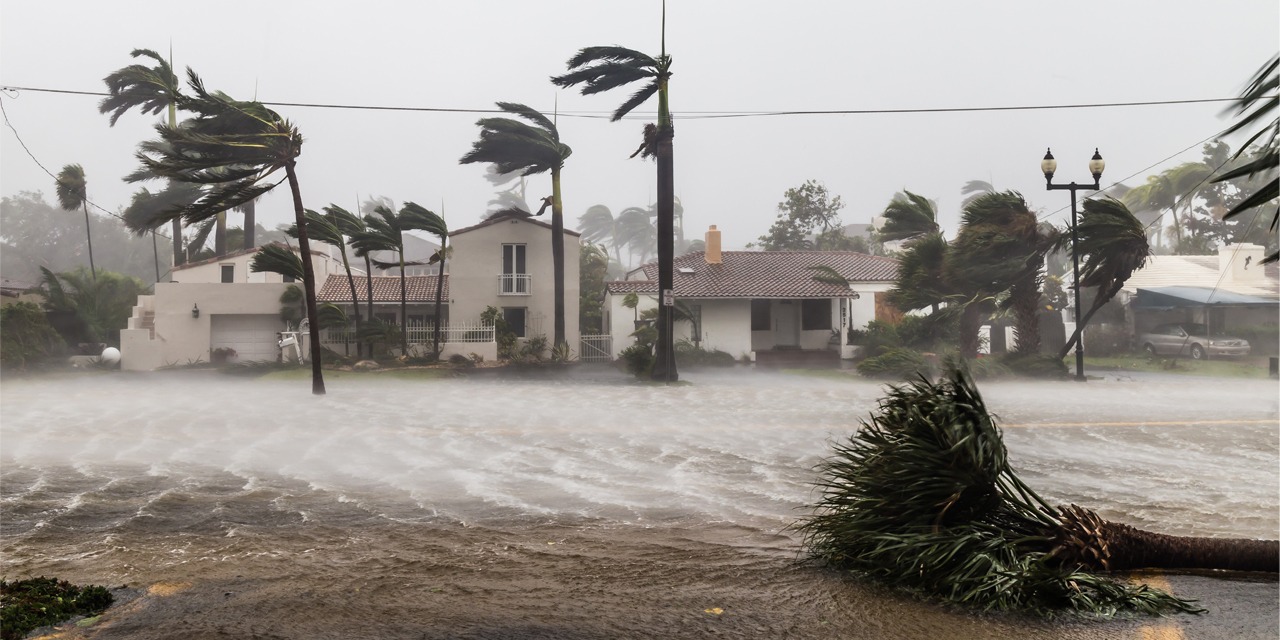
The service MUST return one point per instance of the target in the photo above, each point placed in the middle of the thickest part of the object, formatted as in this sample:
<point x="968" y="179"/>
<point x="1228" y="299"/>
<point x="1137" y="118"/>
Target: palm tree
<point x="428" y="221"/>
<point x="601" y="69"/>
<point x="1113" y="244"/>
<point x="1003" y="248"/>
<point x="331" y="227"/>
<point x="234" y="148"/>
<point x="151" y="90"/>
<point x="922" y="277"/>
<point x="100" y="306"/>
<point x="512" y="145"/>
<point x="1173" y="189"/>
<point x="637" y="232"/>
<point x="973" y="189"/>
<point x="908" y="216"/>
<point x="598" y="226"/>
<point x="1256" y="103"/>
<point x="384" y="232"/>
<point x="73" y="194"/>
<point x="250" y="210"/>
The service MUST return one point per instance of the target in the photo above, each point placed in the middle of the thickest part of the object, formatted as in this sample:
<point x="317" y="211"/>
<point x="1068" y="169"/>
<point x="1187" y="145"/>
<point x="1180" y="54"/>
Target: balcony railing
<point x="515" y="284"/>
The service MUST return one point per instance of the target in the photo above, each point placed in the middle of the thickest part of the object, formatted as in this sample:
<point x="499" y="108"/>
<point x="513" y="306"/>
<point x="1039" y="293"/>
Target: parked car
<point x="1191" y="339"/>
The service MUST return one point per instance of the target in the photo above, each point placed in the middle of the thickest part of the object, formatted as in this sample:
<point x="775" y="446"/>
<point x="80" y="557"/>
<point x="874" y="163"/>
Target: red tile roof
<point x="417" y="289"/>
<point x="764" y="274"/>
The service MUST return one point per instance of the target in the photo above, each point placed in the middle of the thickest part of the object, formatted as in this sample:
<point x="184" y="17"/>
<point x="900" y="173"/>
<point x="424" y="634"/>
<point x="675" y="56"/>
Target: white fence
<point x="460" y="332"/>
<point x="596" y="349"/>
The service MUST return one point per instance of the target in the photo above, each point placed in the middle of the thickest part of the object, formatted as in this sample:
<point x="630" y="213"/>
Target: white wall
<point x="181" y="338"/>
<point x="210" y="271"/>
<point x="477" y="263"/>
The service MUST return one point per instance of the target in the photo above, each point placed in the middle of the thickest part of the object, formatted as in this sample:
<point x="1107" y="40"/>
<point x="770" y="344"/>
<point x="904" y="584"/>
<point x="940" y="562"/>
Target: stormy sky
<point x="730" y="58"/>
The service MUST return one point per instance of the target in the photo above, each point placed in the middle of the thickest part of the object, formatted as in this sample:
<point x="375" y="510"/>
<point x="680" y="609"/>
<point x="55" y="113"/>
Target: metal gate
<point x="596" y="349"/>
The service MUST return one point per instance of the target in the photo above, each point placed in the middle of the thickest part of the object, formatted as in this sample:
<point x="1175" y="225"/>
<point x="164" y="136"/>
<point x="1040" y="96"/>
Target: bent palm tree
<point x="150" y="90"/>
<point x="384" y="231"/>
<point x="425" y="220"/>
<point x="234" y="148"/>
<point x="601" y="69"/>
<point x="923" y="497"/>
<point x="1114" y="245"/>
<point x="73" y="194"/>
<point x="512" y="145"/>
<point x="330" y="228"/>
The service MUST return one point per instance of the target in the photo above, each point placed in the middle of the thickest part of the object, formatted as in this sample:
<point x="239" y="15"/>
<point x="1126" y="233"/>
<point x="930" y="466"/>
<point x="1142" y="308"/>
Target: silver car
<point x="1193" y="339"/>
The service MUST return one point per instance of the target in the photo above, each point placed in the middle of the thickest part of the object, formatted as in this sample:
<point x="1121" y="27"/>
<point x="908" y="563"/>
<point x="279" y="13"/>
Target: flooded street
<point x="590" y="507"/>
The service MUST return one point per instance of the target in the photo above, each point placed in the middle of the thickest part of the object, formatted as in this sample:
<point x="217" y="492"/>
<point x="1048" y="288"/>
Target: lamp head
<point x="1096" y="165"/>
<point x="195" y="310"/>
<point x="1049" y="166"/>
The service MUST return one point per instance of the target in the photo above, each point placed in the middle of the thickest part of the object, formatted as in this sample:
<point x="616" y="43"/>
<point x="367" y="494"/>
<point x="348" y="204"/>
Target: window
<point x="760" y="315"/>
<point x="815" y="315"/>
<point x="514" y="278"/>
<point x="514" y="316"/>
<point x="228" y="273"/>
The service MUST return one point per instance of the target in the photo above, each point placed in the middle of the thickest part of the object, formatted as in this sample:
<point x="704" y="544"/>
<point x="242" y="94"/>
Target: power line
<point x="701" y="115"/>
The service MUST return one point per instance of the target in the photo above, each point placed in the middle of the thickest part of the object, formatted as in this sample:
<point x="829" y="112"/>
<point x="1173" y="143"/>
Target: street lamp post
<point x="1049" y="166"/>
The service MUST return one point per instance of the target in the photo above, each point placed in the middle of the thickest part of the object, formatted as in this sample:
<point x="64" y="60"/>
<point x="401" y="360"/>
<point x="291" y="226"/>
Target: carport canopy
<point x="1182" y="297"/>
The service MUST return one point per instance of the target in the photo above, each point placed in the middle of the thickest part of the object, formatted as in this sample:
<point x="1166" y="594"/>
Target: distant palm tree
<point x="434" y="224"/>
<point x="233" y="148"/>
<point x="384" y="231"/>
<point x="1113" y="244"/>
<point x="1256" y="104"/>
<point x="598" y="226"/>
<point x="151" y="90"/>
<point x="73" y="194"/>
<point x="600" y="69"/>
<point x="1174" y="189"/>
<point x="637" y="232"/>
<point x="908" y="216"/>
<point x="250" y="210"/>
<point x="330" y="227"/>
<point x="973" y="189"/>
<point x="512" y="145"/>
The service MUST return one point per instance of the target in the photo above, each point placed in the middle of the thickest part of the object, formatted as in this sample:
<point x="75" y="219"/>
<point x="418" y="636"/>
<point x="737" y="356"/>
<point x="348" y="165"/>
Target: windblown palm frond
<point x="151" y="89"/>
<point x="277" y="258"/>
<point x="148" y="211"/>
<point x="1257" y="103"/>
<point x="600" y="69"/>
<point x="908" y="216"/>
<point x="826" y="275"/>
<point x="71" y="187"/>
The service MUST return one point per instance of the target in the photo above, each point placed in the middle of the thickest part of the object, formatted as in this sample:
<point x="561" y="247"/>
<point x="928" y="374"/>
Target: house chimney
<point x="713" y="245"/>
<point x="1240" y="263"/>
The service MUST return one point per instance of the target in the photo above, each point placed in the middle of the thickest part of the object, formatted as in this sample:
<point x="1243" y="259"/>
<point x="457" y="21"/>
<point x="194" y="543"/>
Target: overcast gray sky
<point x="744" y="56"/>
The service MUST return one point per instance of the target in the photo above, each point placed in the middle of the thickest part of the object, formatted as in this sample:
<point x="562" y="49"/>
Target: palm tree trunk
<point x="155" y="250"/>
<point x="404" y="309"/>
<point x="1084" y="538"/>
<point x="1026" y="313"/>
<point x="355" y="305"/>
<point x="368" y="286"/>
<point x="439" y="295"/>
<point x="664" y="364"/>
<point x="92" y="271"/>
<point x="179" y="256"/>
<point x="557" y="257"/>
<point x="308" y="280"/>
<point x="250" y="224"/>
<point x="220" y="235"/>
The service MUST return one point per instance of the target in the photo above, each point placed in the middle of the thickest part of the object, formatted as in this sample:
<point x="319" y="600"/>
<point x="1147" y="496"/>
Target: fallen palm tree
<point x="922" y="497"/>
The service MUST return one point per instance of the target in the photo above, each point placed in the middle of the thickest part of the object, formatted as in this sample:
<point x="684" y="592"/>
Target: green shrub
<point x="989" y="368"/>
<point x="459" y="360"/>
<point x="638" y="359"/>
<point x="26" y="335"/>
<point x="692" y="355"/>
<point x="895" y="363"/>
<point x="1035" y="365"/>
<point x="1106" y="340"/>
<point x="37" y="602"/>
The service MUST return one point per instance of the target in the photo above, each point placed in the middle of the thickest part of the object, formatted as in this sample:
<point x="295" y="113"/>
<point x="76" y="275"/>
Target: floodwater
<point x="581" y="507"/>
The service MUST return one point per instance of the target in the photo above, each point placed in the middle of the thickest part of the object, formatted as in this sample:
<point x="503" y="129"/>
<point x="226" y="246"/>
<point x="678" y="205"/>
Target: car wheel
<point x="1197" y="352"/>
<point x="1149" y="348"/>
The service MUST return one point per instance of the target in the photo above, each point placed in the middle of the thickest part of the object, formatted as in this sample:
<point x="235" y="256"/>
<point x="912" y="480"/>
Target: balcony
<point x="515" y="284"/>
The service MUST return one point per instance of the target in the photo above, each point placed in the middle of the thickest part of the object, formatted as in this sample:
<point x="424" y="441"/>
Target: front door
<point x="786" y="330"/>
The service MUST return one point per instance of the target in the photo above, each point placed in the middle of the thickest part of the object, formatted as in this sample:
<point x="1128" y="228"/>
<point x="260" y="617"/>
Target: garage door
<point x="252" y="336"/>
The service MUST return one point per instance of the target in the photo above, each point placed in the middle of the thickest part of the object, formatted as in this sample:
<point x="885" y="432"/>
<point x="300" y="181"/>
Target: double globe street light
<point x="1096" y="165"/>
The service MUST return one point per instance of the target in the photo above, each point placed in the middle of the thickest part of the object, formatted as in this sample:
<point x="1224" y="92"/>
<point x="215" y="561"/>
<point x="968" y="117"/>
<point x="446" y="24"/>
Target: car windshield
<point x="1196" y="329"/>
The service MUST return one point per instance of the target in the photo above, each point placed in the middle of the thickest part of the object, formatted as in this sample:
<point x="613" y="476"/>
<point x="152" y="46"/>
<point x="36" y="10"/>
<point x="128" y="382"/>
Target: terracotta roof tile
<point x="385" y="289"/>
<point x="764" y="274"/>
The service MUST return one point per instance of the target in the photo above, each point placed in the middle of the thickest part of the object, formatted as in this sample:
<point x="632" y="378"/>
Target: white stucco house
<point x="759" y="303"/>
<point x="212" y="304"/>
<point x="505" y="262"/>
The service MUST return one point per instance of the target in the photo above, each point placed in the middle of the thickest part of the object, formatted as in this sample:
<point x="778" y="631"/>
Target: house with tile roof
<point x="759" y="303"/>
<point x="218" y="303"/>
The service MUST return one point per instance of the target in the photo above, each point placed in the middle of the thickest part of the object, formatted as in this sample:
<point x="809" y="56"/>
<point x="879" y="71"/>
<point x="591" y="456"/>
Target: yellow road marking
<point x="1159" y="630"/>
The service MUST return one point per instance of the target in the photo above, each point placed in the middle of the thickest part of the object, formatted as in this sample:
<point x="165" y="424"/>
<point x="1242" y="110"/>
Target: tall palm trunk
<point x="664" y="365"/>
<point x="404" y="309"/>
<point x="93" y="271"/>
<point x="1085" y="538"/>
<point x="1026" y="313"/>
<point x="440" y="295"/>
<point x="557" y="256"/>
<point x="308" y="280"/>
<point x="220" y="235"/>
<point x="250" y="224"/>
<point x="355" y="306"/>
<point x="179" y="256"/>
<point x="368" y="286"/>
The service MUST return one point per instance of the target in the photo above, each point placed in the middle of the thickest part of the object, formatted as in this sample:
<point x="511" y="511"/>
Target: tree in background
<point x="806" y="211"/>
<point x="233" y="147"/>
<point x="332" y="227"/>
<point x="72" y="195"/>
<point x="593" y="269"/>
<point x="908" y="216"/>
<point x="26" y="335"/>
<point x="34" y="233"/>
<point x="601" y="69"/>
<point x="511" y="145"/>
<point x="1257" y="103"/>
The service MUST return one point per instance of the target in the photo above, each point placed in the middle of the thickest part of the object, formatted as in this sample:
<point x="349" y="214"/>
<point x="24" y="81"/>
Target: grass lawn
<point x="1247" y="367"/>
